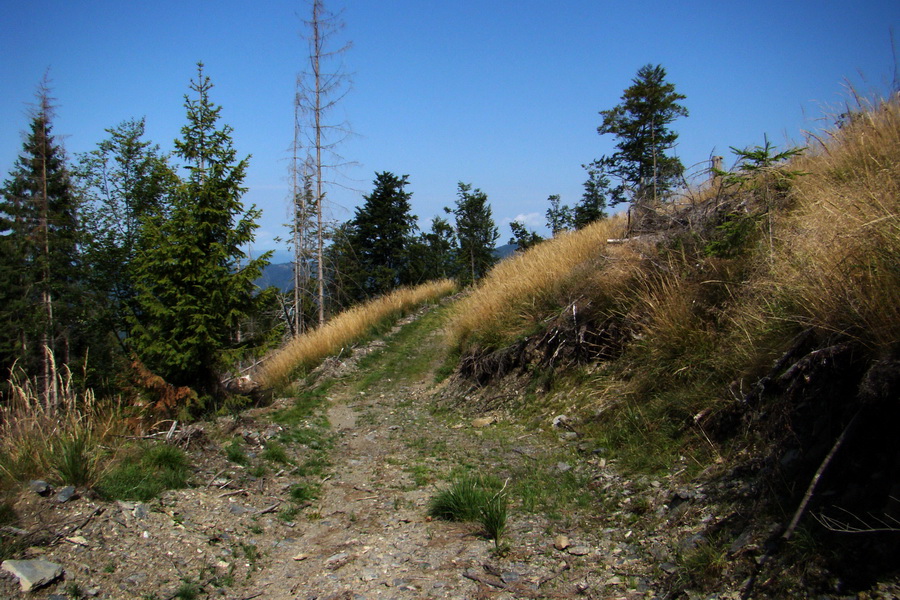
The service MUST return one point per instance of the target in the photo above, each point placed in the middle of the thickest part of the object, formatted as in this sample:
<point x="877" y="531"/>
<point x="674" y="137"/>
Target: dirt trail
<point x="366" y="534"/>
<point x="370" y="536"/>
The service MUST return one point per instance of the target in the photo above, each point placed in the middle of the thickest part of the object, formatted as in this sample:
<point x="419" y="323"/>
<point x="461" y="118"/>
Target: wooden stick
<point x="815" y="480"/>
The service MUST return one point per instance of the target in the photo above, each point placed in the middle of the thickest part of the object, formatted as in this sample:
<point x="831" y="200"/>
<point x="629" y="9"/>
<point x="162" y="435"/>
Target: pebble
<point x="337" y="561"/>
<point x="39" y="487"/>
<point x="66" y="494"/>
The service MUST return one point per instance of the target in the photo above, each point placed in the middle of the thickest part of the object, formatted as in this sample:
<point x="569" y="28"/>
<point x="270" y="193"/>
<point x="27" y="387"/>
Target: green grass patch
<point x="314" y="466"/>
<point x="478" y="498"/>
<point x="702" y="565"/>
<point x="541" y="487"/>
<point x="306" y="405"/>
<point x="408" y="355"/>
<point x="422" y="475"/>
<point x="145" y="472"/>
<point x="276" y="453"/>
<point x="302" y="493"/>
<point x="465" y="497"/>
<point x="235" y="452"/>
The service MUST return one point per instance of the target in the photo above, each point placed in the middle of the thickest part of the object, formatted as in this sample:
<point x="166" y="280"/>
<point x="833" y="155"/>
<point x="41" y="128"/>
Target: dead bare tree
<point x="303" y="218"/>
<point x="320" y="87"/>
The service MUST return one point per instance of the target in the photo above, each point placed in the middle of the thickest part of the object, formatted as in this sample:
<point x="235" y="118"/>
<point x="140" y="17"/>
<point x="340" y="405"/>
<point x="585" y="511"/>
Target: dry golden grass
<point x="67" y="442"/>
<point x="840" y="249"/>
<point x="523" y="289"/>
<point x="307" y="351"/>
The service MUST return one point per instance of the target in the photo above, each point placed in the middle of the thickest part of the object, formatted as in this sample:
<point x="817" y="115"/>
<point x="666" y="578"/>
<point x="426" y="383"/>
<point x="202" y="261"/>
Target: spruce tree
<point x="522" y="237"/>
<point x="641" y="166"/>
<point x="40" y="299"/>
<point x="342" y="268"/>
<point x="125" y="180"/>
<point x="476" y="233"/>
<point x="593" y="200"/>
<point x="382" y="232"/>
<point x="433" y="253"/>
<point x="559" y="216"/>
<point x="194" y="281"/>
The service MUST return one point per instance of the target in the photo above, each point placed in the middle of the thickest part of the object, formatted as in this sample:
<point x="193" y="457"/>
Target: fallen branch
<point x="269" y="509"/>
<point x="214" y="477"/>
<point x="565" y="567"/>
<point x="889" y="524"/>
<point x="815" y="480"/>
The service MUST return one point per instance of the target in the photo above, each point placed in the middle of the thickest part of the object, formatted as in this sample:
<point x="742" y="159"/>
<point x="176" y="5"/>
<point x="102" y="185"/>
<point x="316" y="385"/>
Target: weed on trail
<point x="145" y="472"/>
<point x="477" y="498"/>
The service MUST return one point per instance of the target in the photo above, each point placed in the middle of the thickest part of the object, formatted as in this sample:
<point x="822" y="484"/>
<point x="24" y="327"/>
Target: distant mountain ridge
<point x="281" y="275"/>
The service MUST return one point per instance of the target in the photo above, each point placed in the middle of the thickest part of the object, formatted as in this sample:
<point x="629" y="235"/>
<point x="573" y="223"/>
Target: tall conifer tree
<point x="475" y="232"/>
<point x="194" y="281"/>
<point x="39" y="270"/>
<point x="643" y="170"/>
<point x="125" y="181"/>
<point x="381" y="235"/>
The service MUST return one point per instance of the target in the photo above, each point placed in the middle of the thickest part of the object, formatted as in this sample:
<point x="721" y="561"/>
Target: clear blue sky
<point x="500" y="94"/>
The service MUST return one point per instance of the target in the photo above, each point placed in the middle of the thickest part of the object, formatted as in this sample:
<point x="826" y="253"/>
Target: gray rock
<point x="741" y="543"/>
<point x="510" y="577"/>
<point x="579" y="550"/>
<point x="33" y="574"/>
<point x="40" y="487"/>
<point x="562" y="467"/>
<point x="141" y="511"/>
<point x="692" y="542"/>
<point x="337" y="561"/>
<point x="561" y="422"/>
<point x="66" y="494"/>
<point x="669" y="568"/>
<point x="237" y="509"/>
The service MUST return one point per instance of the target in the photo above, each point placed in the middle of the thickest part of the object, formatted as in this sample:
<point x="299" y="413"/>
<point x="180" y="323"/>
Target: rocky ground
<point x="577" y="528"/>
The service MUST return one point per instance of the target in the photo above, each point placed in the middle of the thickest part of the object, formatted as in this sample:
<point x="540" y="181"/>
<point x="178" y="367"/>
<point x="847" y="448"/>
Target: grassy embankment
<point x="702" y="309"/>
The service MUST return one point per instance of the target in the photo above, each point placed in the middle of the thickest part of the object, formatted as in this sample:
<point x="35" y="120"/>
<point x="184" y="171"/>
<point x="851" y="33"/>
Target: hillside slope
<point x="746" y="337"/>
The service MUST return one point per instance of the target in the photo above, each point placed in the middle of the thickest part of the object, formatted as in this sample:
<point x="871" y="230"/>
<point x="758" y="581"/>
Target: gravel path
<point x="367" y="533"/>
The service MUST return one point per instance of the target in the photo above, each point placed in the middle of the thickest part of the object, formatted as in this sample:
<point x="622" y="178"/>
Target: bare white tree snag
<point x="319" y="89"/>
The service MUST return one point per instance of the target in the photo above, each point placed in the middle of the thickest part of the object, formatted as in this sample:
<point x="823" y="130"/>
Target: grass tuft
<point x="68" y="439"/>
<point x="475" y="498"/>
<point x="144" y="472"/>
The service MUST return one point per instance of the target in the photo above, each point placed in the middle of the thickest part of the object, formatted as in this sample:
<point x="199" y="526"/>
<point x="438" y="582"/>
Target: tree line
<point x="132" y="259"/>
<point x="126" y="256"/>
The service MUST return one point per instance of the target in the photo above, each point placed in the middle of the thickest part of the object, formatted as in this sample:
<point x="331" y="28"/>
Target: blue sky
<point x="501" y="94"/>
